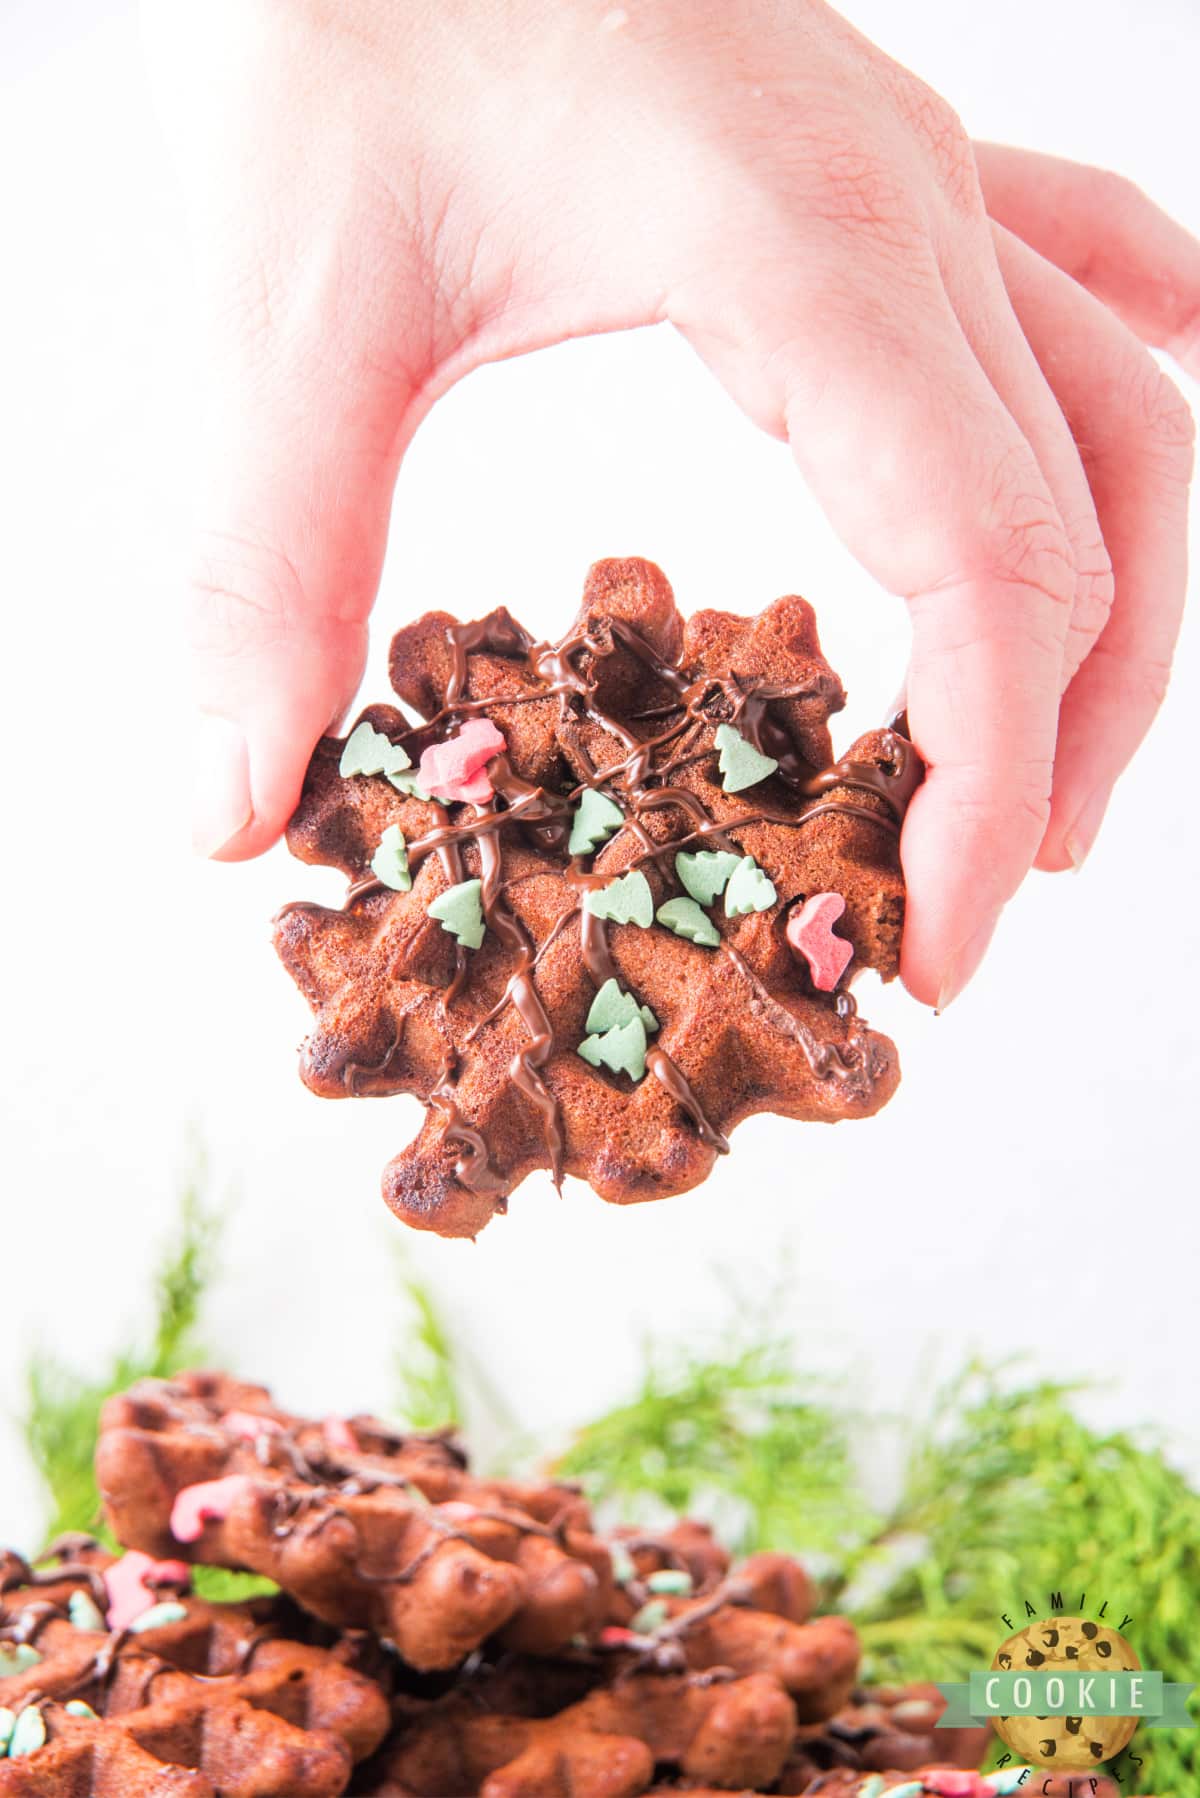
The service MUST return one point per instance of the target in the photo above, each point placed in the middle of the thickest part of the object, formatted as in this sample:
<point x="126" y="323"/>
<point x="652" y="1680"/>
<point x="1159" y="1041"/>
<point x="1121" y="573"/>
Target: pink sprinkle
<point x="455" y="769"/>
<point x="458" y="1510"/>
<point x="209" y="1502"/>
<point x="248" y="1426"/>
<point x="130" y="1585"/>
<point x="613" y="1637"/>
<point x="339" y="1436"/>
<point x="948" y="1783"/>
<point x="477" y="788"/>
<point x="810" y="933"/>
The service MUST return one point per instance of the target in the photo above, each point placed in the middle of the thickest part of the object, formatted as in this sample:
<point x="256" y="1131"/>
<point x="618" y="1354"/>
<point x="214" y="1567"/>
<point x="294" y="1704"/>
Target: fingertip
<point x="968" y="843"/>
<point x="938" y="979"/>
<point x="1071" y="833"/>
<point x="222" y="809"/>
<point x="916" y="981"/>
<point x="242" y="798"/>
<point x="262" y="711"/>
<point x="1054" y="858"/>
<point x="254" y="838"/>
<point x="963" y="963"/>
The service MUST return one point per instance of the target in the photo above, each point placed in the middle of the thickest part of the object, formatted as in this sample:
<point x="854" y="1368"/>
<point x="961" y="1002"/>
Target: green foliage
<point x="1010" y="1495"/>
<point x="736" y="1437"/>
<point x="221" y="1585"/>
<point x="438" y="1384"/>
<point x="427" y="1376"/>
<point x="63" y="1406"/>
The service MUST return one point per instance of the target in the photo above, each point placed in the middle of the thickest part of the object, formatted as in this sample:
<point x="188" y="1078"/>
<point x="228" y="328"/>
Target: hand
<point x="388" y="195"/>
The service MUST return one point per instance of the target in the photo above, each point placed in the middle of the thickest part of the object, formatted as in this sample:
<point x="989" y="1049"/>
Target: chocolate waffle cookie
<point x="680" y="1606"/>
<point x="200" y="1699"/>
<point x="605" y="901"/>
<point x="724" y="1731"/>
<point x="364" y="1527"/>
<point x="148" y="1603"/>
<point x="888" y="1726"/>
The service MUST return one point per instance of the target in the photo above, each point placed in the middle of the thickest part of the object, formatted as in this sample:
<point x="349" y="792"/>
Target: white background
<point x="1032" y="1185"/>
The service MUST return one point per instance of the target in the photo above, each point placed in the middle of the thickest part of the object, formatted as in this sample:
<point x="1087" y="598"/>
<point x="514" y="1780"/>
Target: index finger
<point x="930" y="483"/>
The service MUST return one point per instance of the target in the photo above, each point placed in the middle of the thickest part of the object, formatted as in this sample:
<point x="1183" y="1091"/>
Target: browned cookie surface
<point x="724" y="1732"/>
<point x="373" y="1530"/>
<point x="146" y="1607"/>
<point x="883" y="1727"/>
<point x="186" y="1698"/>
<point x="679" y="1605"/>
<point x="364" y="1527"/>
<point x="631" y="713"/>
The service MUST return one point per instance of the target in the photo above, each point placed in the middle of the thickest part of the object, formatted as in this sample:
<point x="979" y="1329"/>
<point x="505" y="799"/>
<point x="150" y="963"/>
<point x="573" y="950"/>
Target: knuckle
<point x="1023" y="540"/>
<point x="844" y="172"/>
<point x="1113" y="196"/>
<point x="944" y="138"/>
<point x="1022" y="796"/>
<point x="1138" y="684"/>
<point x="1031" y="802"/>
<point x="243" y="594"/>
<point x="860" y="187"/>
<point x="1027" y="548"/>
<point x="249" y="302"/>
<point x="1153" y="678"/>
<point x="1162" y="417"/>
<point x="1095" y="583"/>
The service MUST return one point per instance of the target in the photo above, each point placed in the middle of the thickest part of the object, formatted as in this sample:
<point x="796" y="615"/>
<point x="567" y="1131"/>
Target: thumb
<point x="312" y="329"/>
<point x="286" y="563"/>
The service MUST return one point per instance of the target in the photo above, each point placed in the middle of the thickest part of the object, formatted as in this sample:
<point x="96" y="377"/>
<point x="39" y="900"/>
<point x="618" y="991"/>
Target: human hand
<point x="386" y="196"/>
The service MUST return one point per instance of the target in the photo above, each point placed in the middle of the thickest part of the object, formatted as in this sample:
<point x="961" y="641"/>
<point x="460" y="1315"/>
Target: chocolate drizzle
<point x="473" y="1168"/>
<point x="826" y="1060"/>
<point x="672" y="1078"/>
<point x="499" y="634"/>
<point x="877" y="793"/>
<point x="523" y="994"/>
<point x="894" y="782"/>
<point x="329" y="1476"/>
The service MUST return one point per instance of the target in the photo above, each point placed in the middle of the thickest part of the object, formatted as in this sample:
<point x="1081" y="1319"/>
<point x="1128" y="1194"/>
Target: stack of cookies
<point x="434" y="1636"/>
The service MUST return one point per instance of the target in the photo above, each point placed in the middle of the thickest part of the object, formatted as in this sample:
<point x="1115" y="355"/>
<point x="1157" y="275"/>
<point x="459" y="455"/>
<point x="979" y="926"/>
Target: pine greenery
<point x="1008" y="1493"/>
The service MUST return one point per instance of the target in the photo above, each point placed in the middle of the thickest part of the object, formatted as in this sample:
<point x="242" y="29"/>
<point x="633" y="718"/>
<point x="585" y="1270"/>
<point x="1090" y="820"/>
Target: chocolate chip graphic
<point x="1104" y="1649"/>
<point x="1064" y="1742"/>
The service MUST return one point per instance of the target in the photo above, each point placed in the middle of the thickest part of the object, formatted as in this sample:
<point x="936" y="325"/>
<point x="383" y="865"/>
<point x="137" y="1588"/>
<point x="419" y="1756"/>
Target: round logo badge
<point x="1075" y="1644"/>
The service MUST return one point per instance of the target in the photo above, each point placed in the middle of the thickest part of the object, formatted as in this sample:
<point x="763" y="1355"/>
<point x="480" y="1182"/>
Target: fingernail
<point x="221" y="804"/>
<point x="1083" y="833"/>
<point x="965" y="960"/>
